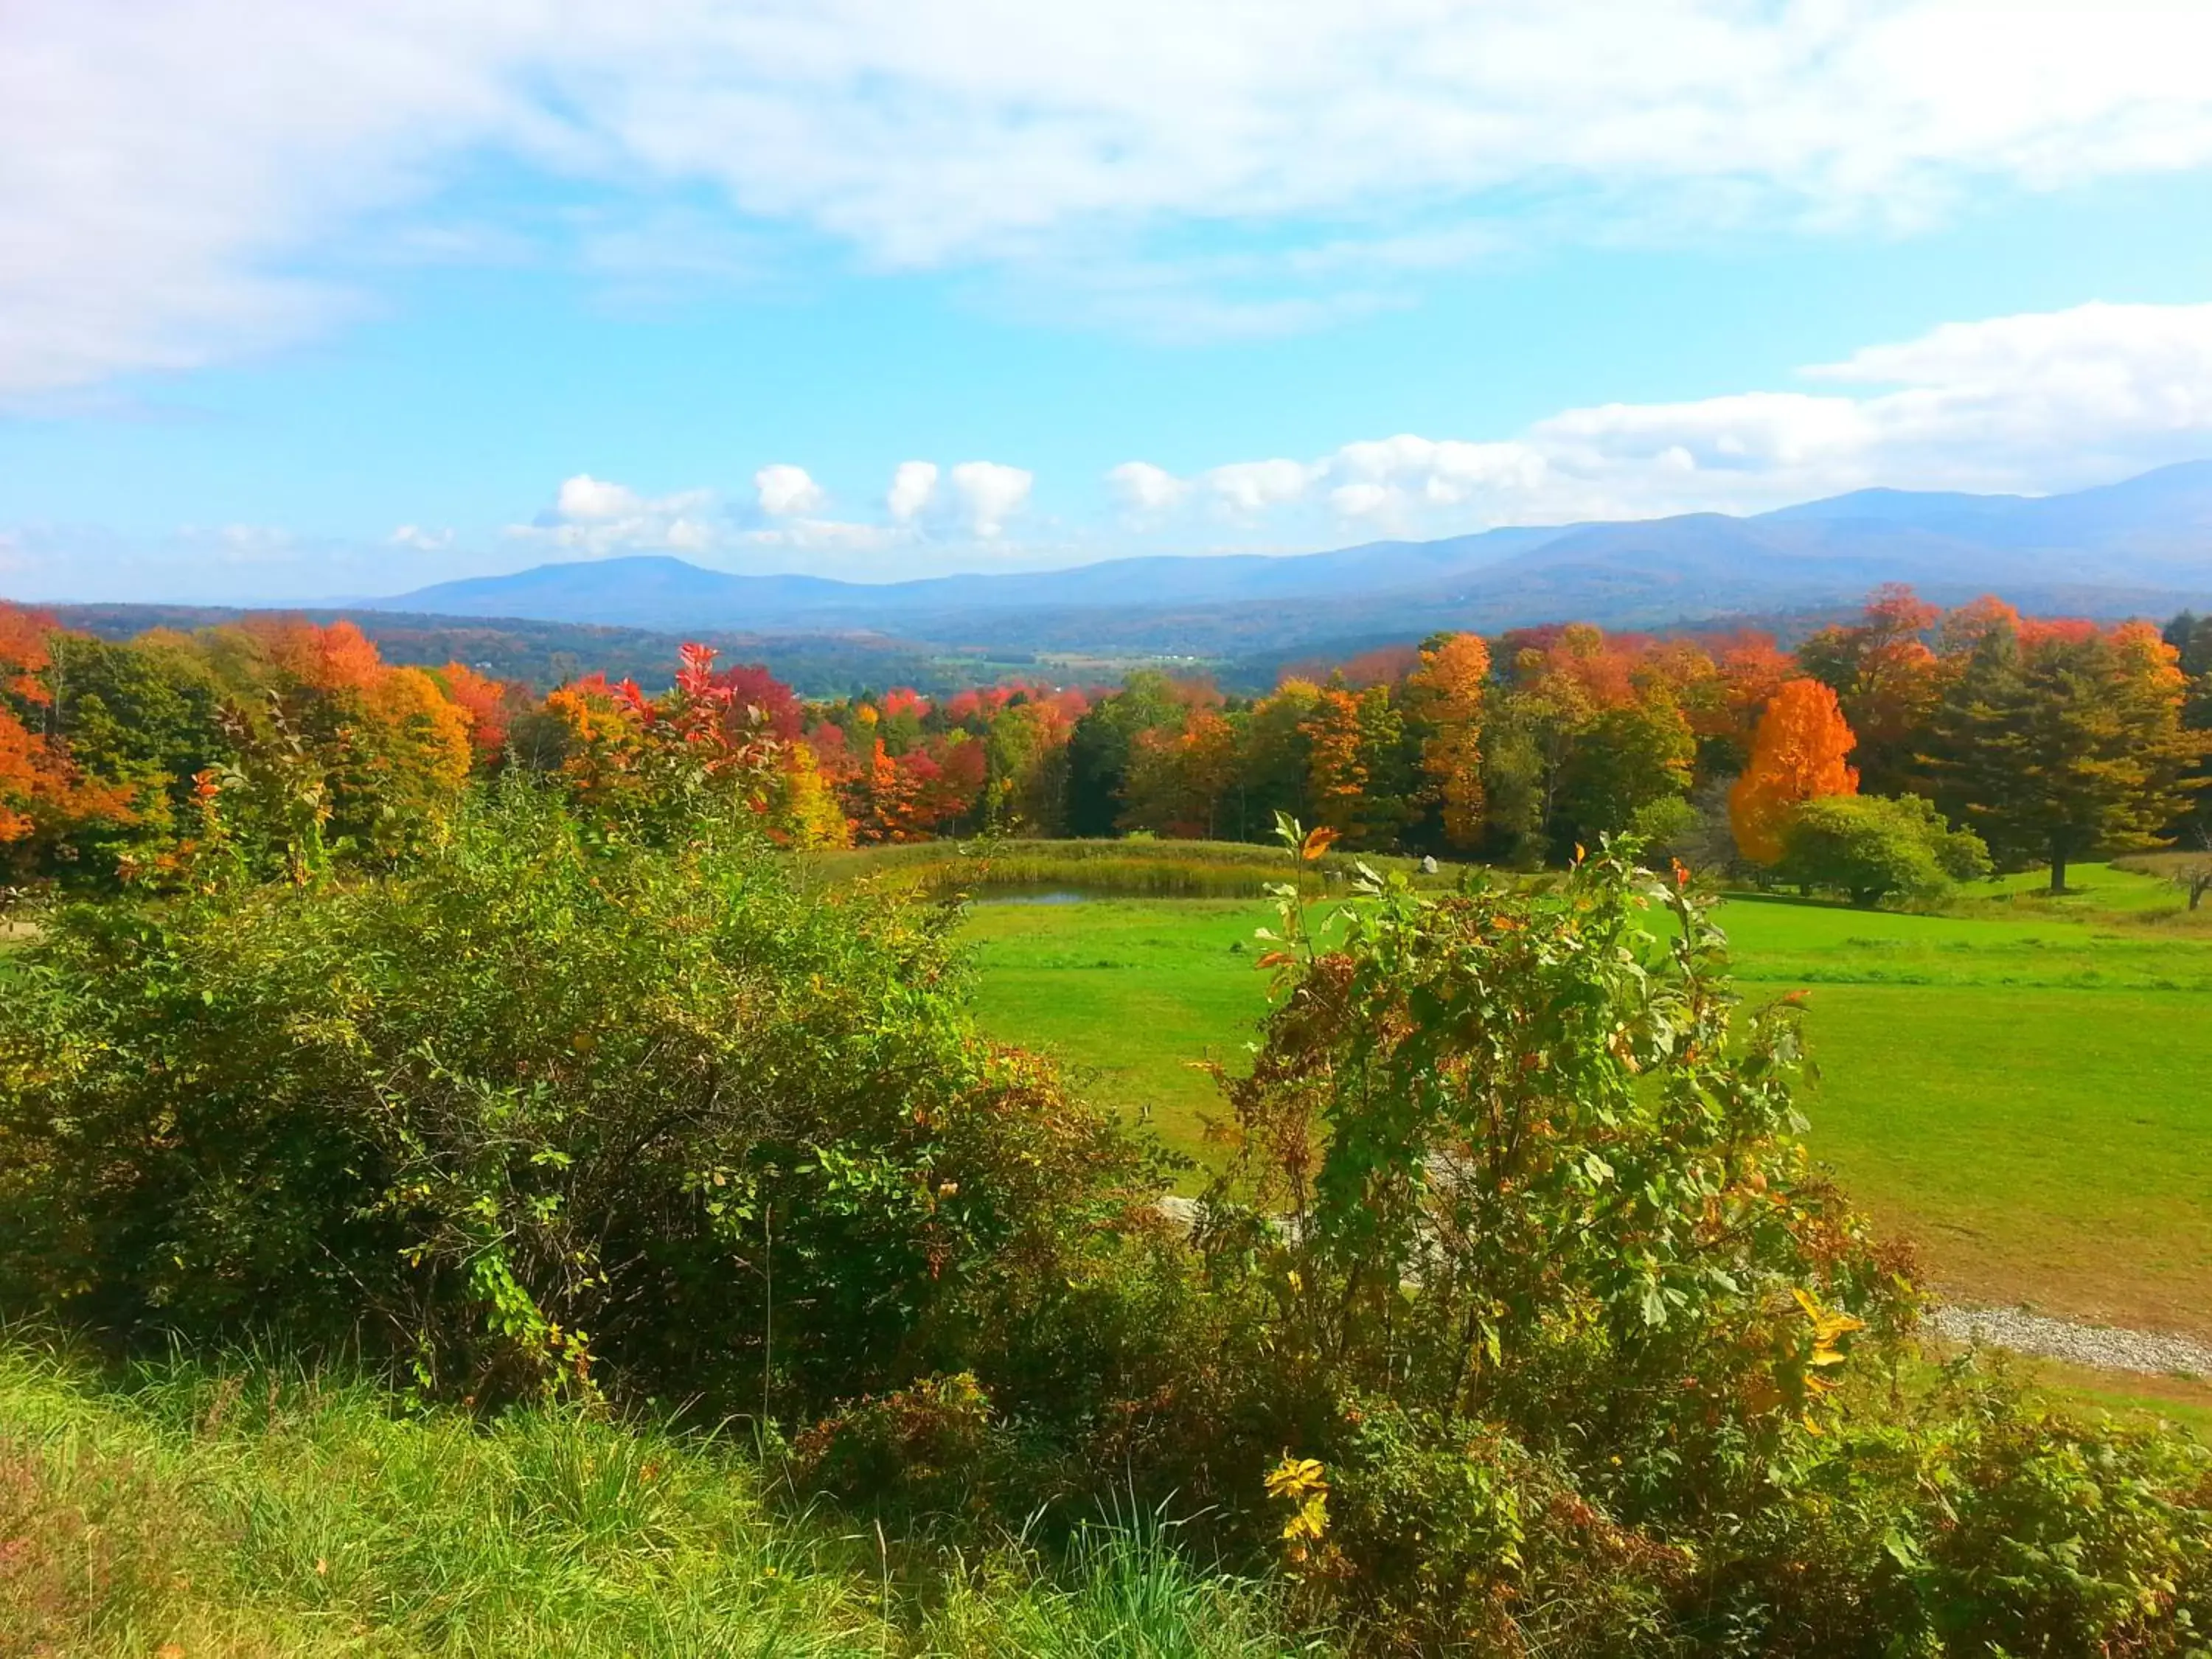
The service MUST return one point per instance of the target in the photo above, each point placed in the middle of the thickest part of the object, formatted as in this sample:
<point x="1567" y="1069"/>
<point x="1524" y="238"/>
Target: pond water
<point x="1032" y="895"/>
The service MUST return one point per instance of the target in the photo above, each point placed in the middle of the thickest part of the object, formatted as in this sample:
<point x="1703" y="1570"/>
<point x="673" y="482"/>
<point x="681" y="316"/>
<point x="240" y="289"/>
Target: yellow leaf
<point x="1311" y="1521"/>
<point x="1294" y="1477"/>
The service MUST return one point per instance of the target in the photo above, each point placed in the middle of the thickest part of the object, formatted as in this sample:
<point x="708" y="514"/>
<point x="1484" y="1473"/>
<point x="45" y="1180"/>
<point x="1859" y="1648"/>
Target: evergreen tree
<point x="2053" y="744"/>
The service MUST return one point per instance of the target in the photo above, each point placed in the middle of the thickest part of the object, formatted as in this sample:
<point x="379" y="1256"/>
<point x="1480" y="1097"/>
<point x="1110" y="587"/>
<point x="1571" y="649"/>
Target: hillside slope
<point x="2144" y="545"/>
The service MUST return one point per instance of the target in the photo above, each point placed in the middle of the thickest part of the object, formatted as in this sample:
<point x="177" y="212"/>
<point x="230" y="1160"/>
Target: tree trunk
<point x="2058" y="870"/>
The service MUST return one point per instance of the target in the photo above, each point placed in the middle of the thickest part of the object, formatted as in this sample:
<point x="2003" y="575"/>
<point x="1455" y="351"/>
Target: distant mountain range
<point x="2142" y="546"/>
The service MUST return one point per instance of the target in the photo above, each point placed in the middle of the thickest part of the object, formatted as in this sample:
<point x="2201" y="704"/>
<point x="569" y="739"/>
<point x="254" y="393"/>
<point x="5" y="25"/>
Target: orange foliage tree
<point x="725" y="740"/>
<point x="1796" y="754"/>
<point x="44" y="800"/>
<point x="1444" y="698"/>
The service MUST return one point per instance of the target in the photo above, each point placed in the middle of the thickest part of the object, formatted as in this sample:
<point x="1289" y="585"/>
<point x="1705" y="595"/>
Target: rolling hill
<point x="2144" y="545"/>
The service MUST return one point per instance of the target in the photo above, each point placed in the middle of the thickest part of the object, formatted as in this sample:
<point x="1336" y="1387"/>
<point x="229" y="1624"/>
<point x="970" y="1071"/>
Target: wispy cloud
<point x="185" y="183"/>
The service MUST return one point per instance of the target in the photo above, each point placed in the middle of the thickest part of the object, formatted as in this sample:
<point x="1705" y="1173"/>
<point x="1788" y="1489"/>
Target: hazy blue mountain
<point x="2143" y="544"/>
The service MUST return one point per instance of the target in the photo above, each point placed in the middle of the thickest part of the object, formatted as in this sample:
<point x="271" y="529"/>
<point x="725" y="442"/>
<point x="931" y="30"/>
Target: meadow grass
<point x="2018" y="1086"/>
<point x="1128" y="866"/>
<point x="245" y="1509"/>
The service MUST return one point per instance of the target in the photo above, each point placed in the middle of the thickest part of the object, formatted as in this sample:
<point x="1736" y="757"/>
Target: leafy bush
<point x="1875" y="847"/>
<point x="1520" y="1321"/>
<point x="540" y="1101"/>
<point x="1556" y="1325"/>
<point x="1969" y="1521"/>
<point x="1520" y="1104"/>
<point x="930" y="1444"/>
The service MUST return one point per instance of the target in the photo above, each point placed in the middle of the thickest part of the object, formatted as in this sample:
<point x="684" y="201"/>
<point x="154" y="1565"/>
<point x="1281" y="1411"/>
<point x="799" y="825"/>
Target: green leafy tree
<point x="1620" y="760"/>
<point x="1877" y="846"/>
<point x="1274" y="759"/>
<point x="148" y="715"/>
<point x="1026" y="782"/>
<point x="1530" y="736"/>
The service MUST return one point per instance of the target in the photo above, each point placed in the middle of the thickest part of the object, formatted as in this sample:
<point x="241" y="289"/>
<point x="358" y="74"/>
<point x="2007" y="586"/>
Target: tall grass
<point x="251" y="1509"/>
<point x="1120" y="868"/>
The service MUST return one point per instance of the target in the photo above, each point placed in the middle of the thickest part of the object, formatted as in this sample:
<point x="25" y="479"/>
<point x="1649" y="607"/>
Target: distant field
<point x="2022" y="1087"/>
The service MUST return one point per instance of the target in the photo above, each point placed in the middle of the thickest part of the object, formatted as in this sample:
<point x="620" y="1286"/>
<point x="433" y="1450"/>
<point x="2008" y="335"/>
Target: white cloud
<point x="585" y="497"/>
<point x="185" y="182"/>
<point x="1364" y="500"/>
<point x="989" y="494"/>
<point x="914" y="484"/>
<point x="591" y="517"/>
<point x="784" y="490"/>
<point x="1145" y="491"/>
<point x="2053" y="400"/>
<point x="422" y="541"/>
<point x="1246" y="487"/>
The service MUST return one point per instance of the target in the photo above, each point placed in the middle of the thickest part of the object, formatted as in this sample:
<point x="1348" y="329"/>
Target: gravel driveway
<point x="2104" y="1347"/>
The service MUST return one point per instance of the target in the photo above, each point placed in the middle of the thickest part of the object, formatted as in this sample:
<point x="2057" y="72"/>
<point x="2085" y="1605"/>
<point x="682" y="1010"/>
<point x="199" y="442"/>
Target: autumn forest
<point x="1953" y="741"/>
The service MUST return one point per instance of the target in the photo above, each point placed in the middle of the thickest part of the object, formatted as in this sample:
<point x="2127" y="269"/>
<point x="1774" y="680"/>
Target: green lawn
<point x="2020" y="1086"/>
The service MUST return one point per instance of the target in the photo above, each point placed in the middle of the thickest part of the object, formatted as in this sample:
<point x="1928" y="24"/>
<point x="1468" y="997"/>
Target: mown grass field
<point x="2020" y="1085"/>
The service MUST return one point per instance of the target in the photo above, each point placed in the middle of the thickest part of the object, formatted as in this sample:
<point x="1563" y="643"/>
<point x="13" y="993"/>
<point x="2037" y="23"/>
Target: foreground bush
<point x="540" y="1103"/>
<point x="1519" y="1321"/>
<point x="1560" y="1323"/>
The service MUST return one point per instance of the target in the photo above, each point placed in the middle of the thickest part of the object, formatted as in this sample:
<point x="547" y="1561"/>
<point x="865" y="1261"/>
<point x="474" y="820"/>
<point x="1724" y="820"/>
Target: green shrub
<point x="535" y="1103"/>
<point x="1502" y="1164"/>
<point x="928" y="1445"/>
<point x="1871" y="848"/>
<point x="1559" y="1335"/>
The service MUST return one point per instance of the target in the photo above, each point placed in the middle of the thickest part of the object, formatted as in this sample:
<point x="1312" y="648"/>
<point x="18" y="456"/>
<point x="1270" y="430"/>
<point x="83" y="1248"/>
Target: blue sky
<point x="341" y="299"/>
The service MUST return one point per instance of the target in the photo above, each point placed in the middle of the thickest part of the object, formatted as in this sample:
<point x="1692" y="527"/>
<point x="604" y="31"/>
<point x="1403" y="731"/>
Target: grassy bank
<point x="184" y="1510"/>
<point x="1129" y="868"/>
<point x="2018" y="1086"/>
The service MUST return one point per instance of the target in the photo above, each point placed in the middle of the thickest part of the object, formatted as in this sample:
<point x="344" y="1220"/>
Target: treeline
<point x="544" y="654"/>
<point x="1937" y="744"/>
<point x="1883" y="755"/>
